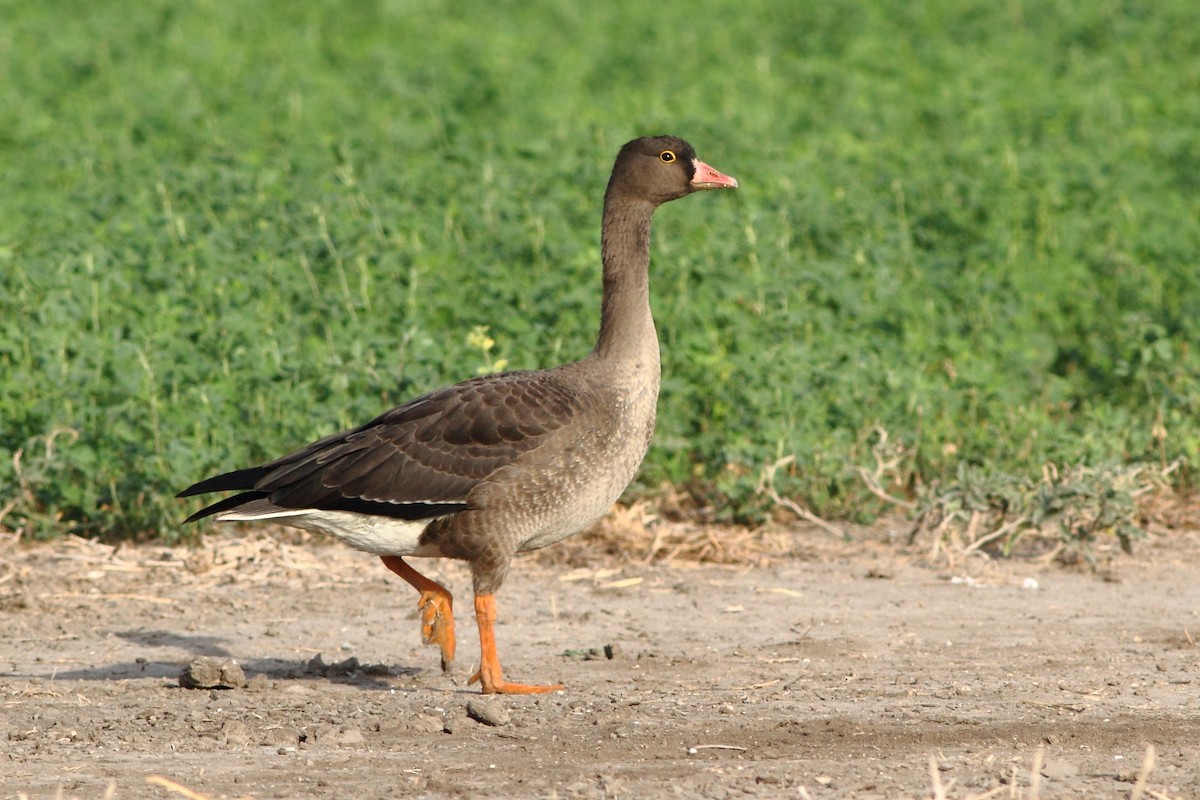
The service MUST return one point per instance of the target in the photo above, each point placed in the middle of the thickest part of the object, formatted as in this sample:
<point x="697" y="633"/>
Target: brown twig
<point x="766" y="485"/>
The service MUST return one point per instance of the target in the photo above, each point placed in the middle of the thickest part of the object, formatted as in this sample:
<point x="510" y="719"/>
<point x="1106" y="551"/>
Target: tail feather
<point x="244" y="479"/>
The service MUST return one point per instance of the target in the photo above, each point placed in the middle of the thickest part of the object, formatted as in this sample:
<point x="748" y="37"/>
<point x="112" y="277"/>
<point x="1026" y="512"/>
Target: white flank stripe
<point x="383" y="536"/>
<point x="235" y="516"/>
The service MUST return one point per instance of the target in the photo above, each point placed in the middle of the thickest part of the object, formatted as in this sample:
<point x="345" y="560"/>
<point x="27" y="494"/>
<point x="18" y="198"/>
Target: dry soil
<point x="856" y="672"/>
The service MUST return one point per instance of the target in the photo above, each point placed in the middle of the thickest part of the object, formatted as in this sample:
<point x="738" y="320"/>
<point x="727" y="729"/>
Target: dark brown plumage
<point x="503" y="463"/>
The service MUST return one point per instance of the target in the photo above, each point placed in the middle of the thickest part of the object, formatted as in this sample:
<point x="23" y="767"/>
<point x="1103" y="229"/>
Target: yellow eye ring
<point x="666" y="156"/>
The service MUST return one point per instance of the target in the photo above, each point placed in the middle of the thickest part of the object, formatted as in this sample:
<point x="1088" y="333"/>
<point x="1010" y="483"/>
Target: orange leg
<point x="436" y="606"/>
<point x="489" y="673"/>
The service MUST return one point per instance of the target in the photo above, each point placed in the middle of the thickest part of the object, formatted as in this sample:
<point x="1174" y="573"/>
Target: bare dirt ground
<point x="842" y="671"/>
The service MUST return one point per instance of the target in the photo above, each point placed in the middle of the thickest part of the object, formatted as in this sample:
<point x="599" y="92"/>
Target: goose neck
<point x="625" y="320"/>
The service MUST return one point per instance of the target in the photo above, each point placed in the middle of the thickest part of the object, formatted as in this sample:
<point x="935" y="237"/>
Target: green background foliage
<point x="227" y="229"/>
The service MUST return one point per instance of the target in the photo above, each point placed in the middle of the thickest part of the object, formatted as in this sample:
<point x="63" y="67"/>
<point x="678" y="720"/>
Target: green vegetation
<point x="1073" y="508"/>
<point x="226" y="229"/>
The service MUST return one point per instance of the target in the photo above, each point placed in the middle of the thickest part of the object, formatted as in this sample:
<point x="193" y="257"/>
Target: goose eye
<point x="666" y="156"/>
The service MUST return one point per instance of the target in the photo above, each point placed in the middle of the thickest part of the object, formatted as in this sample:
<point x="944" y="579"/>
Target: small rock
<point x="212" y="673"/>
<point x="489" y="712"/>
<point x="258" y="683"/>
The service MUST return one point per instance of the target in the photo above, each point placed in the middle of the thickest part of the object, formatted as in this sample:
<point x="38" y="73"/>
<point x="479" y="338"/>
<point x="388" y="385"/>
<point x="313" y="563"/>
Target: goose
<point x="499" y="464"/>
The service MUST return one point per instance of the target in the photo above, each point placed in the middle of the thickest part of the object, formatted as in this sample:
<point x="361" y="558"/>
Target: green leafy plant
<point x="228" y="229"/>
<point x="1072" y="507"/>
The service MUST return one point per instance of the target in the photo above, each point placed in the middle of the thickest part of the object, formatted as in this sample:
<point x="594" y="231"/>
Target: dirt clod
<point x="345" y="668"/>
<point x="489" y="711"/>
<point x="421" y="723"/>
<point x="212" y="673"/>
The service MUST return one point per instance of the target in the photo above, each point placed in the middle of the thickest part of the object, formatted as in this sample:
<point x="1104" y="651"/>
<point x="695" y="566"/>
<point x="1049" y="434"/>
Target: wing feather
<point x="428" y="453"/>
